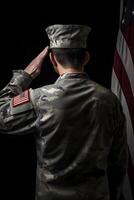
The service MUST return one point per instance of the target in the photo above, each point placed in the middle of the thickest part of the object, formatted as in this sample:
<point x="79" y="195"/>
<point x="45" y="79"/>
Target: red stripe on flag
<point x="125" y="85"/>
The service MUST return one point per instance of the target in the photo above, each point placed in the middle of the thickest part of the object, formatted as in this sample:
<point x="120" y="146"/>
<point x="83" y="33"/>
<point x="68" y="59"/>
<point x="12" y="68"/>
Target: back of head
<point x="68" y="43"/>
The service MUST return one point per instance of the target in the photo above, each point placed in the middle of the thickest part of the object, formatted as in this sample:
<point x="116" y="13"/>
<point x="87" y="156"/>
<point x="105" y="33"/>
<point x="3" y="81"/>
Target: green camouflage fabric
<point x="68" y="36"/>
<point x="80" y="135"/>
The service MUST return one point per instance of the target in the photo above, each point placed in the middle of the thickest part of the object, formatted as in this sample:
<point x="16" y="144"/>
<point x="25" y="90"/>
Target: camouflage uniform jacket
<point x="80" y="135"/>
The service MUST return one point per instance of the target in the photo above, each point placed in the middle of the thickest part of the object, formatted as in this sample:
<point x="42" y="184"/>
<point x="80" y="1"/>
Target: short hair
<point x="73" y="57"/>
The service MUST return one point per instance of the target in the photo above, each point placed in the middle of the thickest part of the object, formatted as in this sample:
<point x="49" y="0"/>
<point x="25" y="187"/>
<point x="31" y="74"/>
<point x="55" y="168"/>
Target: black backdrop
<point x="23" y="37"/>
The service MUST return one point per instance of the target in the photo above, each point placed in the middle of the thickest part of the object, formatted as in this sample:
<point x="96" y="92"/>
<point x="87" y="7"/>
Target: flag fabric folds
<point x="122" y="83"/>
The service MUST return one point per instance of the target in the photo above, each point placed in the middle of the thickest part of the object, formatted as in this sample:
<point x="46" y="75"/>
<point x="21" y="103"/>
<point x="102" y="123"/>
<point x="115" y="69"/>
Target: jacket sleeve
<point x="17" y="113"/>
<point x="117" y="165"/>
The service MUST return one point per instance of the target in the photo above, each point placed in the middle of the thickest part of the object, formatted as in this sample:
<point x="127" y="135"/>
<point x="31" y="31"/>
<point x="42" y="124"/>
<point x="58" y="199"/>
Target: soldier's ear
<point x="87" y="57"/>
<point x="52" y="58"/>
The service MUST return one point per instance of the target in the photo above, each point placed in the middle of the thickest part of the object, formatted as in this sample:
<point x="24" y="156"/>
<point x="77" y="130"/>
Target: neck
<point x="69" y="70"/>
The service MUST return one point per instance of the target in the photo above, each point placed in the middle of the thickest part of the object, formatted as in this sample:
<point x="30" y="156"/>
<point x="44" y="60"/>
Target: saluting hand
<point x="34" y="68"/>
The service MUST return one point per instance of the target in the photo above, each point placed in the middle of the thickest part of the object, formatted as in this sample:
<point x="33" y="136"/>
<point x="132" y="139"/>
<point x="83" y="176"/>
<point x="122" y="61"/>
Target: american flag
<point x="21" y="99"/>
<point x="122" y="84"/>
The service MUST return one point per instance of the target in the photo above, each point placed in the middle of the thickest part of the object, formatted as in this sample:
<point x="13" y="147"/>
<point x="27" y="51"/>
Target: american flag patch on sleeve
<point x="21" y="99"/>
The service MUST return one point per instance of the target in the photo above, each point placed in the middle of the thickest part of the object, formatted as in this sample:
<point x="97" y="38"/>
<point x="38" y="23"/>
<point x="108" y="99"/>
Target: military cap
<point x="68" y="36"/>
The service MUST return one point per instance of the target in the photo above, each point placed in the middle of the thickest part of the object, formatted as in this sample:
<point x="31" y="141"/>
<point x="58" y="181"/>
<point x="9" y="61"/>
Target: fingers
<point x="35" y="65"/>
<point x="44" y="52"/>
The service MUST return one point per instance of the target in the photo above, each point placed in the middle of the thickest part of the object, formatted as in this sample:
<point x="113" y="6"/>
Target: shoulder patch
<point x="21" y="99"/>
<point x="21" y="103"/>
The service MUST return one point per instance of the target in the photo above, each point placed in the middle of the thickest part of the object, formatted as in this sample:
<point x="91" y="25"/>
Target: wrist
<point x="20" y="80"/>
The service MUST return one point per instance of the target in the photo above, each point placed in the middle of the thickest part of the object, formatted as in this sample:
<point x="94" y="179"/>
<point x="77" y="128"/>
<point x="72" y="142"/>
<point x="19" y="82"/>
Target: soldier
<point x="79" y="125"/>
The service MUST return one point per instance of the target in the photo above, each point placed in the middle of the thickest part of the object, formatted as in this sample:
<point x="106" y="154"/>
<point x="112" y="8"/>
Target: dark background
<point x="23" y="37"/>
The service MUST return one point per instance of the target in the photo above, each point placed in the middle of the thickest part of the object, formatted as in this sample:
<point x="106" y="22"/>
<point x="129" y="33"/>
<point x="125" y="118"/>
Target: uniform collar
<point x="72" y="75"/>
